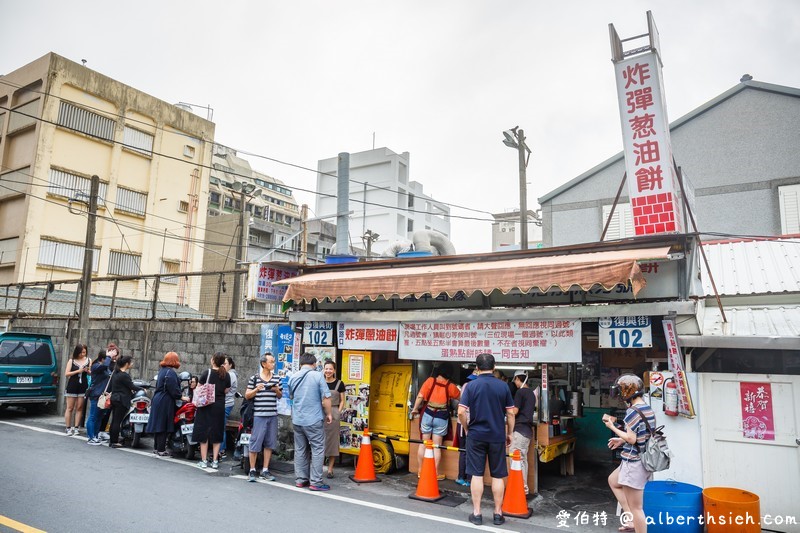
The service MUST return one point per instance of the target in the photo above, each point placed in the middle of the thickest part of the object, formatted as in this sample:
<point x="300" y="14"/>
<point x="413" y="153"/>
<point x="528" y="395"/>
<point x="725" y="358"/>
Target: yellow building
<point x="61" y="123"/>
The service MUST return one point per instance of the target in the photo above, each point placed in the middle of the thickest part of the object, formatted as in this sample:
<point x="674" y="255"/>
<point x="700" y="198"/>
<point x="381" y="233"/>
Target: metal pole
<point x="88" y="262"/>
<point x="237" y="281"/>
<point x="342" y="203"/>
<point x="523" y="192"/>
<point x="304" y="238"/>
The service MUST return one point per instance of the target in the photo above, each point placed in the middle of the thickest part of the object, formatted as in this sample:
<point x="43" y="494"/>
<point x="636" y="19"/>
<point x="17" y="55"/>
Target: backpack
<point x="656" y="455"/>
<point x="248" y="407"/>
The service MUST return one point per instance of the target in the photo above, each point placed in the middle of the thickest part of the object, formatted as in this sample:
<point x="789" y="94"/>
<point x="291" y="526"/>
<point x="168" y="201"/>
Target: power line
<point x="109" y="114"/>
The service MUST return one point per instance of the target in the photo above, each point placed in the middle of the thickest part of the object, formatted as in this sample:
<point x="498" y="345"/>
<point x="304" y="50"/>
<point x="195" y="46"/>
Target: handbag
<point x="204" y="395"/>
<point x="104" y="400"/>
<point x="656" y="455"/>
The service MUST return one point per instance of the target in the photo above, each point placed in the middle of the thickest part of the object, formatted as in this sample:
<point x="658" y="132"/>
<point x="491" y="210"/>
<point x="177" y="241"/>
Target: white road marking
<point x="379" y="506"/>
<point x="327" y="495"/>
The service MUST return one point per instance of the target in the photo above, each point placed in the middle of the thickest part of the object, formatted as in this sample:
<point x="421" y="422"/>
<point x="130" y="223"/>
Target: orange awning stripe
<point x="585" y="270"/>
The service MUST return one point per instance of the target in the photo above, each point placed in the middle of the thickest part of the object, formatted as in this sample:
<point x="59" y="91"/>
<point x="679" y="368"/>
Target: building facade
<point x="383" y="199"/>
<point x="741" y="167"/>
<point x="61" y="123"/>
<point x="506" y="232"/>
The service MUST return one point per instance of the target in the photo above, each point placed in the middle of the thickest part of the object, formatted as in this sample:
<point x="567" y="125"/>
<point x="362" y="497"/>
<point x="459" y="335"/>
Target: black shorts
<point x="477" y="453"/>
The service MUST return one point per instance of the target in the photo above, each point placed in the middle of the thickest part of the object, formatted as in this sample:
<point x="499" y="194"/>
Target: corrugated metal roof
<point x="761" y="327"/>
<point x="753" y="267"/>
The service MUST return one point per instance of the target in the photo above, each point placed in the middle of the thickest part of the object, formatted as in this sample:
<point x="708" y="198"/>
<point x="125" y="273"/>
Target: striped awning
<point x="605" y="269"/>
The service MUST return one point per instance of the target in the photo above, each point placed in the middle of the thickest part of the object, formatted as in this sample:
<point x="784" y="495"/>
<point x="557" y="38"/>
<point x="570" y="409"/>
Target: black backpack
<point x="247" y="409"/>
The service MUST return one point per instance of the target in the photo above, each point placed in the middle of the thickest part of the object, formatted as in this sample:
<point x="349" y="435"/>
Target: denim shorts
<point x="433" y="425"/>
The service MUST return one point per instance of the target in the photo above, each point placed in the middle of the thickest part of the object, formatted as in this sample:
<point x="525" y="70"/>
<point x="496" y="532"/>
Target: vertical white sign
<point x="652" y="183"/>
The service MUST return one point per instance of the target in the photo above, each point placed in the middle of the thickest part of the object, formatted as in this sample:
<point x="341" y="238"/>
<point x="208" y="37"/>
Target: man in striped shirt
<point x="264" y="390"/>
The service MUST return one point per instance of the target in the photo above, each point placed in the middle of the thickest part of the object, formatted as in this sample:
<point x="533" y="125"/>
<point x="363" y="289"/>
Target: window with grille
<point x="214" y="198"/>
<point x="124" y="264"/>
<point x="183" y="207"/>
<point x="68" y="185"/>
<point x="789" y="199"/>
<point x="82" y="120"/>
<point x="170" y="267"/>
<point x="228" y="202"/>
<point x="621" y="225"/>
<point x="138" y="141"/>
<point x="65" y="255"/>
<point x="132" y="202"/>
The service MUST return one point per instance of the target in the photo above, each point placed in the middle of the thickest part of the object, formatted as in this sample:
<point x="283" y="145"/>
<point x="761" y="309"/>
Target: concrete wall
<point x="148" y="341"/>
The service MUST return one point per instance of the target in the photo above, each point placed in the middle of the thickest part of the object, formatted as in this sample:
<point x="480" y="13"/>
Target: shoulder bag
<point x="204" y="395"/>
<point x="104" y="400"/>
<point x="656" y="455"/>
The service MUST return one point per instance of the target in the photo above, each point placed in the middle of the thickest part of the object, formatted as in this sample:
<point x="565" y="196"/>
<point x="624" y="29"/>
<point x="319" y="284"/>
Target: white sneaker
<point x="75" y="432"/>
<point x="68" y="432"/>
<point x="104" y="436"/>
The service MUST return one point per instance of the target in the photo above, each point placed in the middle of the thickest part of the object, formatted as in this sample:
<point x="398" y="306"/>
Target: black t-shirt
<point x="525" y="401"/>
<point x="220" y="384"/>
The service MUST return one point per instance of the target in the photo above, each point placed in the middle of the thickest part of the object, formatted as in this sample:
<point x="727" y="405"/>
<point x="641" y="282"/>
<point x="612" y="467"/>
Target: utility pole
<point x="88" y="263"/>
<point x="304" y="234"/>
<point x="237" y="278"/>
<point x="523" y="191"/>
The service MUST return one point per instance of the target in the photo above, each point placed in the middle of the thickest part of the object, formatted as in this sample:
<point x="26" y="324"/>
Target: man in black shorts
<point x="486" y="413"/>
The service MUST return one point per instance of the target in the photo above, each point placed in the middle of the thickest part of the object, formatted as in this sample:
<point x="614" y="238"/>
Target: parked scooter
<point x="135" y="420"/>
<point x="180" y="441"/>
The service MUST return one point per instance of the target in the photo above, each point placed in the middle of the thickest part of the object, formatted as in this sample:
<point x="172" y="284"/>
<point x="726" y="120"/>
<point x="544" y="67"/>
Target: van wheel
<point x="383" y="457"/>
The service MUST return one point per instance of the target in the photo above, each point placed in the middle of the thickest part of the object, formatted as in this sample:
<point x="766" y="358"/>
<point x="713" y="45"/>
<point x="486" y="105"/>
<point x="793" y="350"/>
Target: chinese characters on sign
<point x="264" y="275"/>
<point x="652" y="182"/>
<point x="757" y="420"/>
<point x="685" y="405"/>
<point x="367" y="335"/>
<point x="625" y="332"/>
<point x="516" y="341"/>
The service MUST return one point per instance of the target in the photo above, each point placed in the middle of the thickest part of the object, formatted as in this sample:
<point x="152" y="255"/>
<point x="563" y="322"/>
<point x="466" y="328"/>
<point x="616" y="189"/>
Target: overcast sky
<point x="300" y="81"/>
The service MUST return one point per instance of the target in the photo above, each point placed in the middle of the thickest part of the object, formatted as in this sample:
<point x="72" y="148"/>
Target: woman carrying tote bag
<point x="209" y="421"/>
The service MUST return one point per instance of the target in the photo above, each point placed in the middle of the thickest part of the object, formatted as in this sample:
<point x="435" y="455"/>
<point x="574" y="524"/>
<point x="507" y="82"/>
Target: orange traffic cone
<point x="365" y="468"/>
<point x="428" y="486"/>
<point x="514" y="502"/>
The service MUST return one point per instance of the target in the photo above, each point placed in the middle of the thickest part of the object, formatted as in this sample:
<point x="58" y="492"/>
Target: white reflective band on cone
<point x="365" y="439"/>
<point x="429" y="453"/>
<point x="516" y="465"/>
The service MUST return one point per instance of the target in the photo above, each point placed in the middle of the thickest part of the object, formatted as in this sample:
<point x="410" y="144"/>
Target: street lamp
<point x="246" y="191"/>
<point x="515" y="138"/>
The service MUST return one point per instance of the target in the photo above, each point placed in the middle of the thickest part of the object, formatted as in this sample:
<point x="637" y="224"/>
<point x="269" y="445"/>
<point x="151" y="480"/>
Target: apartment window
<point x="8" y="250"/>
<point x="237" y="205"/>
<point x="82" y="120"/>
<point x="254" y="238"/>
<point x="789" y="199"/>
<point x="124" y="264"/>
<point x="170" y="267"/>
<point x="138" y="141"/>
<point x="68" y="185"/>
<point x="188" y="151"/>
<point x="410" y="225"/>
<point x="279" y="218"/>
<point x="258" y="211"/>
<point x="132" y="202"/>
<point x="183" y="207"/>
<point x="410" y="200"/>
<point x="621" y="225"/>
<point x="213" y="213"/>
<point x="214" y="198"/>
<point x="228" y="202"/>
<point x="65" y="255"/>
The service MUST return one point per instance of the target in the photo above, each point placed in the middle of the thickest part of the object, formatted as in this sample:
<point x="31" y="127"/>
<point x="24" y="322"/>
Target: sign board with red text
<point x="685" y="405"/>
<point x="261" y="278"/>
<point x="652" y="182"/>
<point x="367" y="336"/>
<point x="510" y="341"/>
<point x="758" y="421"/>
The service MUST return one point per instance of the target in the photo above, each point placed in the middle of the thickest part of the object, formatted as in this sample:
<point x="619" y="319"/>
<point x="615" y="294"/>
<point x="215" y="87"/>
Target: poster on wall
<point x="509" y="341"/>
<point x="279" y="339"/>
<point x="356" y="375"/>
<point x="685" y="404"/>
<point x="757" y="419"/>
<point x="322" y="353"/>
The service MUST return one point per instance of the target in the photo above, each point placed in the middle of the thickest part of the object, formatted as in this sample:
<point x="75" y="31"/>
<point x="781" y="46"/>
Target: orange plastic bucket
<point x="729" y="510"/>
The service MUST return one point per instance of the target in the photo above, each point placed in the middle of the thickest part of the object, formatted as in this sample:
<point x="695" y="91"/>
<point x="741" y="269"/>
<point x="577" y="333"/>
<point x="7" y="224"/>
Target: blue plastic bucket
<point x="339" y="259"/>
<point x="402" y="255"/>
<point x="672" y="506"/>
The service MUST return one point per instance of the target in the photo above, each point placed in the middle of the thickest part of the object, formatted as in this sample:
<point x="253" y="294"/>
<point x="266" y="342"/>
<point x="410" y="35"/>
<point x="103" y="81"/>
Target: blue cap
<point x="471" y="377"/>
